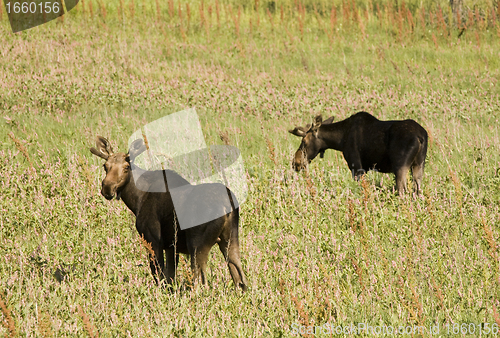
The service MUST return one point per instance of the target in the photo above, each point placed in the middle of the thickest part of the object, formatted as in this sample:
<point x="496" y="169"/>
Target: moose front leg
<point x="357" y="170"/>
<point x="151" y="238"/>
<point x="157" y="262"/>
<point x="171" y="266"/>
<point x="358" y="174"/>
<point x="354" y="162"/>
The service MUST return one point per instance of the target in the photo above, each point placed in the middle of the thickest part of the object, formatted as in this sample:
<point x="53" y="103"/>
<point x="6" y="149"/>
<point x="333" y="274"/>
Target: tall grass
<point x="317" y="247"/>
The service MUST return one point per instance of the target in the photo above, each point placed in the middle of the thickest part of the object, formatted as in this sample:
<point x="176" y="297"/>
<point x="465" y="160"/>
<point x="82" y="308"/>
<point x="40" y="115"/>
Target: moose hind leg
<point x="157" y="264"/>
<point x="199" y="260"/>
<point x="401" y="179"/>
<point x="231" y="251"/>
<point x="418" y="174"/>
<point x="171" y="265"/>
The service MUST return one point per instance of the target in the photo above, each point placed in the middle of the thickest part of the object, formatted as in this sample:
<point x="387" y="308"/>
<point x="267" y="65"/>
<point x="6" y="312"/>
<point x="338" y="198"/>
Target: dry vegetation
<point x="317" y="247"/>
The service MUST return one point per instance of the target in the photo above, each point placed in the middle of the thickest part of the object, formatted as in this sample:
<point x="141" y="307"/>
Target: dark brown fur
<point x="156" y="218"/>
<point x="367" y="144"/>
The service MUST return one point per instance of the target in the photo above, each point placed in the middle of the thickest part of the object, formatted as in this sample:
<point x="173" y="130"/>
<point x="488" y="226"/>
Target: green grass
<point x="317" y="248"/>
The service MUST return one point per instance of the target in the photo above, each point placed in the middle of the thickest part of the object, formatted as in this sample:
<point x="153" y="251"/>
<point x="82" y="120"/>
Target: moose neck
<point x="130" y="194"/>
<point x="333" y="134"/>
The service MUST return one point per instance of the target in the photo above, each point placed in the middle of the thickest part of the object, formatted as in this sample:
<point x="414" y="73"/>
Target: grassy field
<point x="317" y="247"/>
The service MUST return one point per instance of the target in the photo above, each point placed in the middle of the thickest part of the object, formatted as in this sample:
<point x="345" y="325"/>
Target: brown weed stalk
<point x="131" y="9"/>
<point x="236" y="19"/>
<point x="22" y="149"/>
<point x="390" y="15"/>
<point x="310" y="186"/>
<point x="422" y="17"/>
<point x="270" y="19"/>
<point x="202" y="15"/>
<point x="459" y="20"/>
<point x="271" y="150"/>
<point x="171" y="8"/>
<point x="359" y="272"/>
<point x="217" y="11"/>
<point x="326" y="274"/>
<point x="379" y="15"/>
<point x="495" y="315"/>
<point x="399" y="18"/>
<point x="122" y="10"/>
<point x="434" y="39"/>
<point x="91" y="9"/>
<point x="470" y="18"/>
<point x="333" y="20"/>
<point x="439" y="294"/>
<point x="411" y="22"/>
<point x="418" y="305"/>
<point x="179" y="11"/>
<point x="404" y="301"/>
<point x="149" y="248"/>
<point x="8" y="322"/>
<point x="345" y="12"/>
<point x="209" y="11"/>
<point x="458" y="192"/>
<point x="442" y="22"/>
<point x="303" y="317"/>
<point x="488" y="236"/>
<point x="318" y="19"/>
<point x="300" y="18"/>
<point x="355" y="14"/>
<point x="87" y="173"/>
<point x="366" y="191"/>
<point x="102" y="8"/>
<point x="44" y="325"/>
<point x="224" y="137"/>
<point x="87" y="324"/>
<point x="257" y="11"/>
<point x="351" y="215"/>
<point x="158" y="11"/>
<point x="362" y="29"/>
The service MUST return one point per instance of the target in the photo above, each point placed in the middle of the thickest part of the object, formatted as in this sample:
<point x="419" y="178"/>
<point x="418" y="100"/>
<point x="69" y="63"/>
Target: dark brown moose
<point x="367" y="144"/>
<point x="156" y="217"/>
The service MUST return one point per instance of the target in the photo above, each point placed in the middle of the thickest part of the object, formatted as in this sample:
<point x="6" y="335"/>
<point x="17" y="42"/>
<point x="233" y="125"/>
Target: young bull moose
<point x="156" y="217"/>
<point x="367" y="144"/>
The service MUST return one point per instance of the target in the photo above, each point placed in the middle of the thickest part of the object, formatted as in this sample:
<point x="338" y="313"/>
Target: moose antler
<point x="136" y="148"/>
<point x="104" y="149"/>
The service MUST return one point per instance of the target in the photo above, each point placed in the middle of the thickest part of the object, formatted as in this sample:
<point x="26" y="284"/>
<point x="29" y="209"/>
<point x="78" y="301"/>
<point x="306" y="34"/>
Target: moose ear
<point x="136" y="148"/>
<point x="328" y="120"/>
<point x="316" y="123"/>
<point x="104" y="149"/>
<point x="298" y="131"/>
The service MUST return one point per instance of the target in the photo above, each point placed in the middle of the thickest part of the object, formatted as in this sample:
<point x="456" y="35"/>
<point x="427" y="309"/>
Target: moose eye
<point x="126" y="167"/>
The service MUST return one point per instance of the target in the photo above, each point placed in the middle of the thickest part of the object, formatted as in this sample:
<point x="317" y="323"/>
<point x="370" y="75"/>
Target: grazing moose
<point x="367" y="144"/>
<point x="156" y="217"/>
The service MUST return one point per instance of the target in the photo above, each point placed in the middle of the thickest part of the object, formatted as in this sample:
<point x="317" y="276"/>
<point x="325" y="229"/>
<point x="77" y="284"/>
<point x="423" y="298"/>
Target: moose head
<point x="311" y="144"/>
